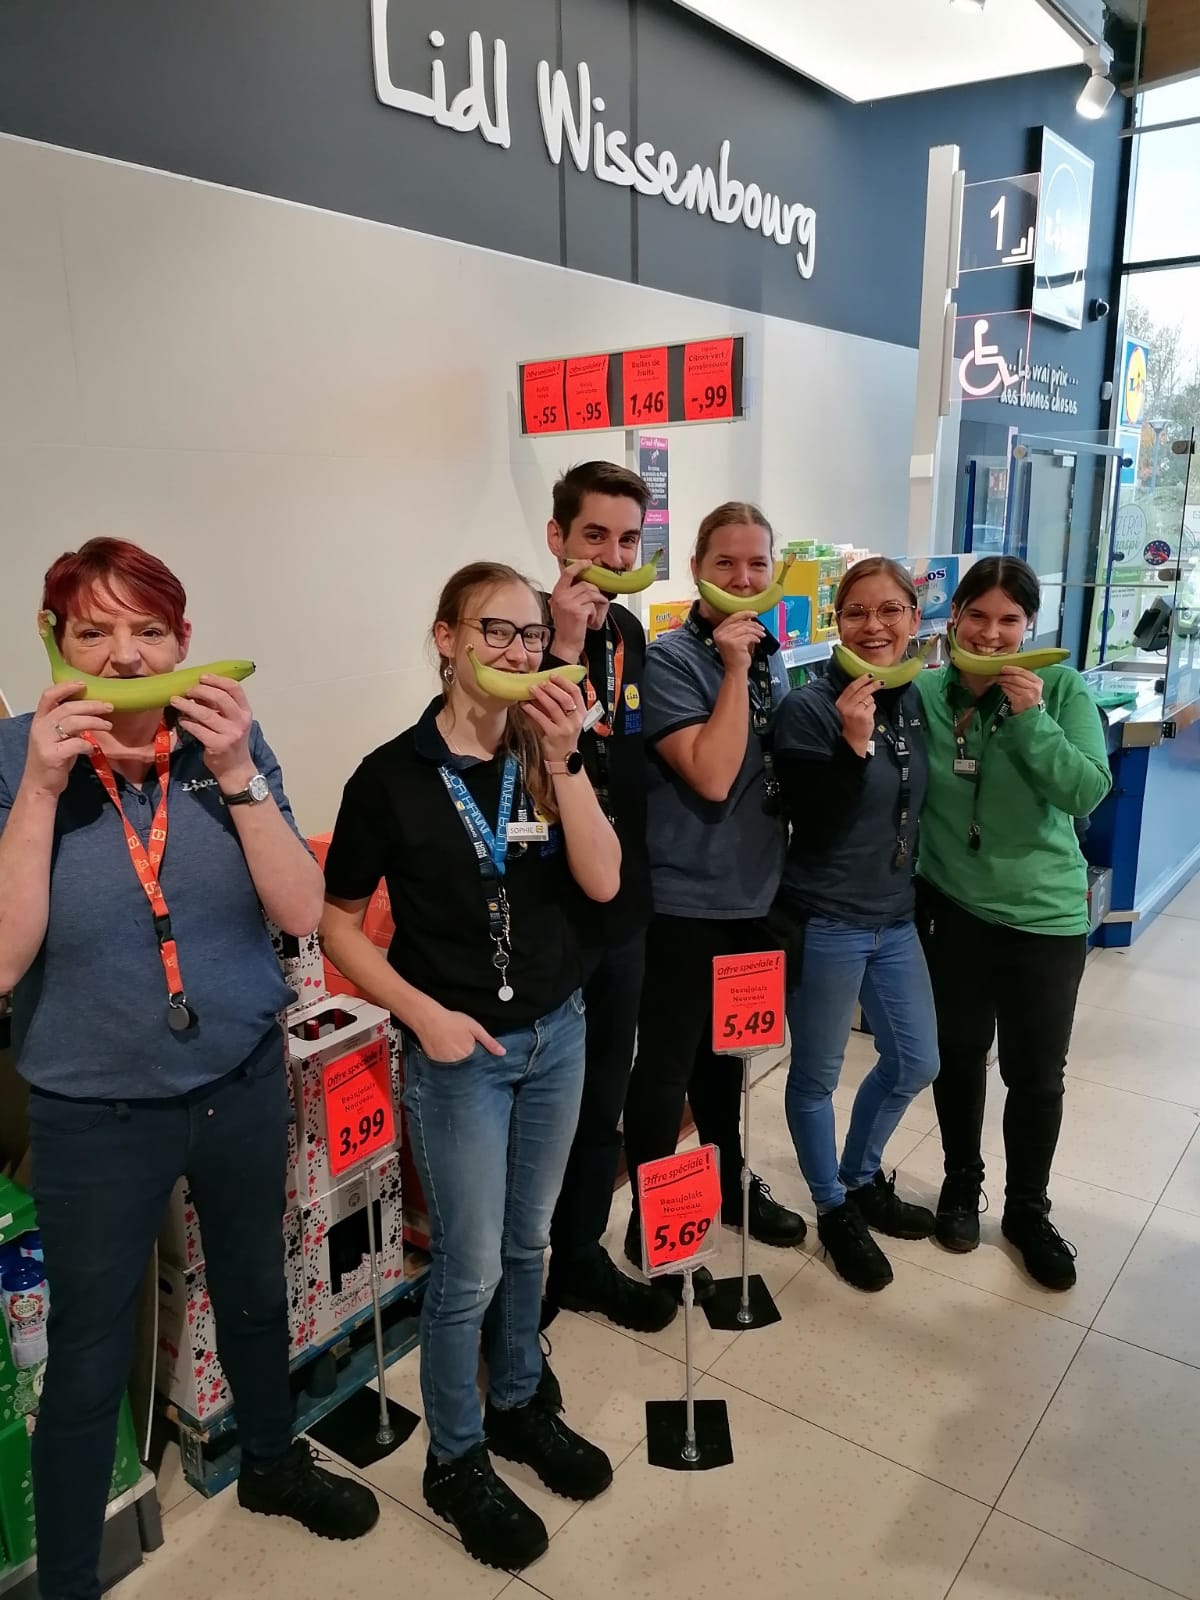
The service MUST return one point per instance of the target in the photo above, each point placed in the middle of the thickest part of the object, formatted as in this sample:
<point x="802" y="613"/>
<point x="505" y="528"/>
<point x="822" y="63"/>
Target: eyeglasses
<point x="500" y="633"/>
<point x="889" y="611"/>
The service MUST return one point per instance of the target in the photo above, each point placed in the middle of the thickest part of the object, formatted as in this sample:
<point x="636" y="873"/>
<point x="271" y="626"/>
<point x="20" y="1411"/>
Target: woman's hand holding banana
<point x="856" y="707"/>
<point x="556" y="710"/>
<point x="1023" y="690"/>
<point x="56" y="736"/>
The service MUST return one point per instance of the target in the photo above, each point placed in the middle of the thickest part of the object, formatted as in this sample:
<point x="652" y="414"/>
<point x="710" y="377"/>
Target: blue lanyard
<point x="491" y="849"/>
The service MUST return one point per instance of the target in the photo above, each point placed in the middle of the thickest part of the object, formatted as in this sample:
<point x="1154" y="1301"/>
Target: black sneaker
<point x="956" y="1226"/>
<point x="849" y="1245"/>
<point x="549" y="1390"/>
<point x="535" y="1435"/>
<point x="770" y="1223"/>
<point x="593" y="1283"/>
<point x="672" y="1282"/>
<point x="882" y="1209"/>
<point x="495" y="1525"/>
<point x="1049" y="1258"/>
<point x="323" y="1502"/>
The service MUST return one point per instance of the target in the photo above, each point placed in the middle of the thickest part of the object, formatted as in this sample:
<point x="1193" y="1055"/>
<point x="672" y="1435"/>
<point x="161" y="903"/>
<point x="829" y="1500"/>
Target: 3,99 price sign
<point x="359" y="1119"/>
<point x="748" y="1003"/>
<point x="680" y="1202"/>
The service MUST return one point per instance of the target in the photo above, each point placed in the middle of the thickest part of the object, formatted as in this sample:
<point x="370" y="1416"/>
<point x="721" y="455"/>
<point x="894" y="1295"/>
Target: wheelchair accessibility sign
<point x="991" y="354"/>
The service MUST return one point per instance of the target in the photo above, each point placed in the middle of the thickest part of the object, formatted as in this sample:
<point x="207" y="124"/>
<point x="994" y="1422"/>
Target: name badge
<point x="966" y="767"/>
<point x="528" y="832"/>
<point x="870" y="747"/>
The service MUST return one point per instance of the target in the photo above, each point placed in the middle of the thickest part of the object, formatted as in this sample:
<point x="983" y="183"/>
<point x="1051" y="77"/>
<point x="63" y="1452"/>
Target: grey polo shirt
<point x="707" y="859"/>
<point x="90" y="1015"/>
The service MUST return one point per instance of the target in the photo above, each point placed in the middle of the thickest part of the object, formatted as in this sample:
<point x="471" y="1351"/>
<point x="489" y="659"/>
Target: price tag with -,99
<point x="679" y="1199"/>
<point x="359" y="1119"/>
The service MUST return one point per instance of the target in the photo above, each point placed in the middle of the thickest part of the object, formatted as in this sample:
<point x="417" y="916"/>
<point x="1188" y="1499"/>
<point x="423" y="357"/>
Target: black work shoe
<point x="593" y="1283"/>
<point x="549" y="1389"/>
<point x="849" y="1245"/>
<point x="535" y="1435"/>
<point x="495" y="1525"/>
<point x="956" y="1226"/>
<point x="672" y="1282"/>
<point x="1049" y="1258"/>
<point x="770" y="1223"/>
<point x="323" y="1502"/>
<point x="882" y="1209"/>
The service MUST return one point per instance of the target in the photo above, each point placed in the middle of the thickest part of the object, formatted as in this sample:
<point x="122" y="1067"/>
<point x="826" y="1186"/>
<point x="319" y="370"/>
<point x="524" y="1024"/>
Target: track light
<point x="968" y="5"/>
<point x="1099" y="89"/>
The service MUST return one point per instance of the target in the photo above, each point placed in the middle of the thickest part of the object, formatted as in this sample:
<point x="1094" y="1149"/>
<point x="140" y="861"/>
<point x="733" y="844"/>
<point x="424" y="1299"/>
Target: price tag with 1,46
<point x="359" y="1119"/>
<point x="680" y="1205"/>
<point x="748" y="1003"/>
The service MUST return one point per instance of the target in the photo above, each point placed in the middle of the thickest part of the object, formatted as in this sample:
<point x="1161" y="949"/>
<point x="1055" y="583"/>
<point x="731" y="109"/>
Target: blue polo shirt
<point x="90" y="1015"/>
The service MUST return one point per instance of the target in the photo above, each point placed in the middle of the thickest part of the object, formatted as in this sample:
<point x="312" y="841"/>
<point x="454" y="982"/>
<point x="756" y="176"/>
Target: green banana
<point x="731" y="604"/>
<point x="632" y="582"/>
<point x="133" y="694"/>
<point x="894" y="677"/>
<point x="990" y="666"/>
<point x="517" y="686"/>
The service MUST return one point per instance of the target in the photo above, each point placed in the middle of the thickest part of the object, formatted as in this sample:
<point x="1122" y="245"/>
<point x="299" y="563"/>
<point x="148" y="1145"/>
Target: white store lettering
<point x="591" y="145"/>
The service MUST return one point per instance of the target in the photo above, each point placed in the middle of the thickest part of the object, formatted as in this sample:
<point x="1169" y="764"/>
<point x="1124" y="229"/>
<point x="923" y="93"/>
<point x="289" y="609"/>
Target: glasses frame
<point x="483" y="623"/>
<point x="877" y="611"/>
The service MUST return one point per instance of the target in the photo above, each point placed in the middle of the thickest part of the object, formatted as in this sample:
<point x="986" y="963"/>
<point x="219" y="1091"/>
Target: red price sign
<point x="542" y="397"/>
<point x="644" y="385"/>
<point x="707" y="380"/>
<point x="748" y="1003"/>
<point x="680" y="1200"/>
<point x="587" y="392"/>
<point x="359" y="1120"/>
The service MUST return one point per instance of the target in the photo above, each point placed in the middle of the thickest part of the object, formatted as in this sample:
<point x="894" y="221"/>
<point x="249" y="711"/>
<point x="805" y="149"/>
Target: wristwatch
<point x="255" y="792"/>
<point x="572" y="765"/>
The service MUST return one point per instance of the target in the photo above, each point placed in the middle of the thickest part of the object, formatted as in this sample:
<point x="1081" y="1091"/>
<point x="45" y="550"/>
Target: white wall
<point x="313" y="420"/>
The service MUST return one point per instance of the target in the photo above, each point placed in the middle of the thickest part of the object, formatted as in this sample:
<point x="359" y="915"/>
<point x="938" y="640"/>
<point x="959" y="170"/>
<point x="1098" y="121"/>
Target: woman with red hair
<point x="147" y="1033"/>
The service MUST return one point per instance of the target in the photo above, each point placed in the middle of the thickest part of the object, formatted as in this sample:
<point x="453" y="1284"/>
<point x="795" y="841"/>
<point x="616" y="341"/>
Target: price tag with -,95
<point x="680" y="1203"/>
<point x="359" y="1119"/>
<point x="748" y="1003"/>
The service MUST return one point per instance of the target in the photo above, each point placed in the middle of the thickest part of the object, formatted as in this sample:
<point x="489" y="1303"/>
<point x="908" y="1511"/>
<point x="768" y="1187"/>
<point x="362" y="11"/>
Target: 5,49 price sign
<point x="359" y="1120"/>
<point x="748" y="1003"/>
<point x="680" y="1201"/>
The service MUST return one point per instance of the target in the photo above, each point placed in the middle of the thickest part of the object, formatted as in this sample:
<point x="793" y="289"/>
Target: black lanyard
<point x="971" y="767"/>
<point x="761" y="691"/>
<point x="491" y="853"/>
<point x="898" y="744"/>
<point x="614" y="657"/>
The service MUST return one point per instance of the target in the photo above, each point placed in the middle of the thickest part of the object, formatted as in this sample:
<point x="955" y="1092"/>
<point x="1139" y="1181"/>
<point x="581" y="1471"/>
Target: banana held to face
<point x="514" y="687"/>
<point x="633" y="582"/>
<point x="989" y="666"/>
<point x="151" y="693"/>
<point x="730" y="604"/>
<point x="894" y="677"/>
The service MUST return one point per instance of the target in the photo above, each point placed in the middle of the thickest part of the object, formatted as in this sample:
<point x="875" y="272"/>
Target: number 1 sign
<point x="748" y="1003"/>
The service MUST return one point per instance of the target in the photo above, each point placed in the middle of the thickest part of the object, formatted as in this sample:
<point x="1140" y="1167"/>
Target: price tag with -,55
<point x="680" y="1203"/>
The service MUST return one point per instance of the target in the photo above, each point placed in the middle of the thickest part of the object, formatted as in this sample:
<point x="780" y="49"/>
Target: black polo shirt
<point x="616" y="766"/>
<point x="398" y="822"/>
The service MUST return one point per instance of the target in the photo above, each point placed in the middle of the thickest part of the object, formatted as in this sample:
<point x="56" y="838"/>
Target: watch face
<point x="575" y="762"/>
<point x="258" y="788"/>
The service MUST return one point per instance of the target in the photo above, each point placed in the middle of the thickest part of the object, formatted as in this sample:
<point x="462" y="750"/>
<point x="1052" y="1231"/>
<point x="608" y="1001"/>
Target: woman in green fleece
<point x="1014" y="758"/>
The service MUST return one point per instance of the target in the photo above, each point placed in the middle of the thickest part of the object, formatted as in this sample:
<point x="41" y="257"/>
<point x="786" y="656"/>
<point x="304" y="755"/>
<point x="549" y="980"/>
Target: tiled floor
<point x="962" y="1436"/>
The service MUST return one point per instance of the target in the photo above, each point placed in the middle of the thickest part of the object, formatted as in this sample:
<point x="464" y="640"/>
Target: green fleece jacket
<point x="1034" y="774"/>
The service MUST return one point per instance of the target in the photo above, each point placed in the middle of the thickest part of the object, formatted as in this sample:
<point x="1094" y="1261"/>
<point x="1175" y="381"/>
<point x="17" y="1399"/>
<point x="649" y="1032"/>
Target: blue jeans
<point x="884" y="969"/>
<point x="490" y="1137"/>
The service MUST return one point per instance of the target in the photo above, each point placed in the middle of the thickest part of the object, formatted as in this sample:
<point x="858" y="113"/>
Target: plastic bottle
<point x="26" y="1298"/>
<point x="30" y="1244"/>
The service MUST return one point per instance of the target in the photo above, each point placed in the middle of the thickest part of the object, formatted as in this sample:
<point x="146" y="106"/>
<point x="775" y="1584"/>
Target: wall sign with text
<point x="1063" y="231"/>
<point x="701" y="381"/>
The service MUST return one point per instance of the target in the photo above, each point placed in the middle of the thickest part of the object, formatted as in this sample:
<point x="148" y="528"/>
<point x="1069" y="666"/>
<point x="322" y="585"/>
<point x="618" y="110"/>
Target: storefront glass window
<point x="1166" y="200"/>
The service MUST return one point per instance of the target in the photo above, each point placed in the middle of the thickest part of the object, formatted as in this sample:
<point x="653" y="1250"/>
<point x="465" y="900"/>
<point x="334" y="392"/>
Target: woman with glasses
<point x="715" y="832"/>
<point x="851" y="758"/>
<point x="479" y="817"/>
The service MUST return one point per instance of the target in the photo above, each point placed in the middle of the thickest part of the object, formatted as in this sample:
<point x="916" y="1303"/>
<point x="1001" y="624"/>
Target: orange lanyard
<point x="614" y="663"/>
<point x="180" y="1016"/>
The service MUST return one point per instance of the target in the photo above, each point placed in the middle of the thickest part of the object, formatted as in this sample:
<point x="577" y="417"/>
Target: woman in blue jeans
<point x="479" y="817"/>
<point x="851" y="758"/>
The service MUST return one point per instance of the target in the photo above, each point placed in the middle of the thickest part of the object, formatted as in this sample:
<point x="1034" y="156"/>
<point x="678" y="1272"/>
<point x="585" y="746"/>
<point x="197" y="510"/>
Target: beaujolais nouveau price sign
<point x="748" y="1003"/>
<point x="359" y="1119"/>
<point x="680" y="1200"/>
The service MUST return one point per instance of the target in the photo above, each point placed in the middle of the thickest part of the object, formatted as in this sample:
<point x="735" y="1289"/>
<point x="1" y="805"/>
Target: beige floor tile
<point x="1015" y="1562"/>
<point x="798" y="1513"/>
<point x="1103" y="1227"/>
<point x="1153" y="978"/>
<point x="933" y="1374"/>
<point x="1187" y="902"/>
<point x="213" y="1547"/>
<point x="1183" y="1191"/>
<point x="1114" y="1140"/>
<point x="1156" y="1300"/>
<point x="1115" y="1464"/>
<point x="1143" y="1055"/>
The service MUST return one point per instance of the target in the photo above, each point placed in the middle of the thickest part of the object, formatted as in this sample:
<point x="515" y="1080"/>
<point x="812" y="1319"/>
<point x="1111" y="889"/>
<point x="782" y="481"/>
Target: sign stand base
<point x="745" y="1302"/>
<point x="666" y="1435"/>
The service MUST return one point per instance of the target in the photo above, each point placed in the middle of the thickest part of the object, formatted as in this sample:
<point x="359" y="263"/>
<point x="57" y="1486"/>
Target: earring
<point x="447" y="672"/>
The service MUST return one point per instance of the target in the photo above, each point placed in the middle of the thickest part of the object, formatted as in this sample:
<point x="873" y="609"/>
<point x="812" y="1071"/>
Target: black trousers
<point x="612" y="988"/>
<point x="103" y="1173"/>
<point x="992" y="981"/>
<point x="675" y="1060"/>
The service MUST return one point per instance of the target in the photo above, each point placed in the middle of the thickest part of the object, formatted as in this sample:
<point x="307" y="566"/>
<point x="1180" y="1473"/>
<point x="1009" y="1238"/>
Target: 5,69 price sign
<point x="359" y="1120"/>
<point x="680" y="1203"/>
<point x="748" y="1003"/>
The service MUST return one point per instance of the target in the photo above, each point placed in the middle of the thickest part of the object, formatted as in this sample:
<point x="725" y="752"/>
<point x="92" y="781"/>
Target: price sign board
<point x="359" y="1119"/>
<point x="645" y="387"/>
<point x="543" y="406"/>
<point x="587" y="392"/>
<point x="748" y="1003"/>
<point x="708" y="380"/>
<point x="680" y="1204"/>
